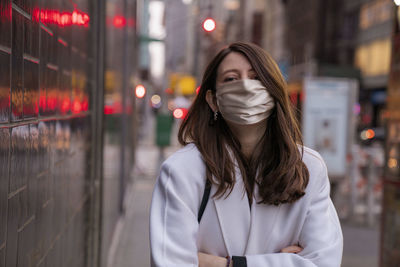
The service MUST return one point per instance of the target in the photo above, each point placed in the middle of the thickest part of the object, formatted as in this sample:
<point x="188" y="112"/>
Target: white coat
<point x="230" y="227"/>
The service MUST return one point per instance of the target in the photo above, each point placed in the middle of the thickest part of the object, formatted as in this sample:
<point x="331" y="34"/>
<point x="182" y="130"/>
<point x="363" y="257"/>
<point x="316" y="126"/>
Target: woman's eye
<point x="229" y="79"/>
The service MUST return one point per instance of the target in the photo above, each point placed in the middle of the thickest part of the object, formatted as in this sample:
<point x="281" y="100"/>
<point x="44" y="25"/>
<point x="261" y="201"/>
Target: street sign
<point x="328" y="119"/>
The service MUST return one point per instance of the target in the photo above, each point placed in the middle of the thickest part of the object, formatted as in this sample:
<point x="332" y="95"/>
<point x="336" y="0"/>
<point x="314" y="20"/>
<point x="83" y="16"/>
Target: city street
<point x="92" y="93"/>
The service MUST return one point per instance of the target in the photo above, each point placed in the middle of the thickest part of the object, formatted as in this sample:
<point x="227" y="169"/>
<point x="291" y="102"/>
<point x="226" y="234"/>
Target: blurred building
<point x="372" y="55"/>
<point x="313" y="39"/>
<point x="273" y="32"/>
<point x="356" y="46"/>
<point x="178" y="28"/>
<point x="390" y="242"/>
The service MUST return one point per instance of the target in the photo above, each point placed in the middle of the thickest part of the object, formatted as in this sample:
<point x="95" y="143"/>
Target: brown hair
<point x="282" y="176"/>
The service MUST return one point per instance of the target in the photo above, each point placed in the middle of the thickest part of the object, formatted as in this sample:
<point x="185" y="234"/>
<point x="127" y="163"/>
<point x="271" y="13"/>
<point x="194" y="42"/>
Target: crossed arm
<point x="208" y="260"/>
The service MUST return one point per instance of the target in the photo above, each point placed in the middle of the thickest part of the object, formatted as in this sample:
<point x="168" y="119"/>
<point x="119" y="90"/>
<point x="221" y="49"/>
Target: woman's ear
<point x="211" y="100"/>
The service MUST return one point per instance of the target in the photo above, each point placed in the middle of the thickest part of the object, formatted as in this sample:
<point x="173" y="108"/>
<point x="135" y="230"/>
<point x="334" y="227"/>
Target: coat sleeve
<point x="321" y="235"/>
<point x="173" y="222"/>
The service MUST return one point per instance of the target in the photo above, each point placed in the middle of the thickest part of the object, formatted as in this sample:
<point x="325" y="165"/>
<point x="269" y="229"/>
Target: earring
<point x="215" y="115"/>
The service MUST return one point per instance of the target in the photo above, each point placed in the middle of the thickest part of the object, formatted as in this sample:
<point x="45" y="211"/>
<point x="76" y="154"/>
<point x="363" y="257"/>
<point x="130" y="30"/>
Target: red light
<point x="119" y="21"/>
<point x="46" y="30"/>
<point x="370" y="133"/>
<point x="114" y="108"/>
<point x="65" y="105"/>
<point x="367" y="134"/>
<point x="64" y="18"/>
<point x="169" y="91"/>
<point x="180" y="113"/>
<point x="140" y="91"/>
<point x="75" y="16"/>
<point x="6" y="11"/>
<point x="42" y="102"/>
<point x="79" y="18"/>
<point x="85" y="104"/>
<point x="61" y="41"/>
<point x="209" y="25"/>
<point x="76" y="106"/>
<point x="51" y="103"/>
<point x="36" y="107"/>
<point x="108" y="110"/>
<point x="197" y="90"/>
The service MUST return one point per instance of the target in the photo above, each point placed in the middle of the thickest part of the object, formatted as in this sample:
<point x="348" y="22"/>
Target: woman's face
<point x="234" y="67"/>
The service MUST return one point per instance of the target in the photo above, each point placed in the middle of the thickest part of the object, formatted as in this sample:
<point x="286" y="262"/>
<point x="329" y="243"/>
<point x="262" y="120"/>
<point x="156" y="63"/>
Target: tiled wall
<point x="45" y="128"/>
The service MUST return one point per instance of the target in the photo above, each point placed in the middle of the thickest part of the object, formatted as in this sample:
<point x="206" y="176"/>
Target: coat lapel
<point x="263" y="219"/>
<point x="234" y="217"/>
<point x="245" y="232"/>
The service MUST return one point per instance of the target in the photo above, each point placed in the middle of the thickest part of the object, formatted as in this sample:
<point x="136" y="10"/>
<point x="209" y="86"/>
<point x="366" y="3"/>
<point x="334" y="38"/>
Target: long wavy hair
<point x="277" y="168"/>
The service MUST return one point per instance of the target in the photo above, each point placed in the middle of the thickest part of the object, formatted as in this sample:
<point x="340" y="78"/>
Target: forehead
<point x="234" y="60"/>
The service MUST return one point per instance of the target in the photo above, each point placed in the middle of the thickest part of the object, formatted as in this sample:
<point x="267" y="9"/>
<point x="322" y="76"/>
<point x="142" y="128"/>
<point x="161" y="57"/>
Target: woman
<point x="269" y="204"/>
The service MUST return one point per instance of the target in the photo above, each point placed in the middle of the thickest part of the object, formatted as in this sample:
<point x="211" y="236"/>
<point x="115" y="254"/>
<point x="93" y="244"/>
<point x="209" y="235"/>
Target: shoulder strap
<point x="204" y="200"/>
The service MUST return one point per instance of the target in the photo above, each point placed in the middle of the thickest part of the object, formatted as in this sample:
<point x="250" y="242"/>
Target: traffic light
<point x="119" y="21"/>
<point x="156" y="101"/>
<point x="140" y="91"/>
<point x="180" y="113"/>
<point x="209" y="25"/>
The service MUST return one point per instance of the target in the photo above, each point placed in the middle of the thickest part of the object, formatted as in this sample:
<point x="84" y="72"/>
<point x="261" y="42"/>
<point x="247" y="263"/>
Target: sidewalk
<point x="133" y="248"/>
<point x="361" y="244"/>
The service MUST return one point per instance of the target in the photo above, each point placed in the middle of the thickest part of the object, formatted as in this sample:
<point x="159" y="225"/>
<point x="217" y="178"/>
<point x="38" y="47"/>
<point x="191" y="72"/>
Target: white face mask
<point x="244" y="101"/>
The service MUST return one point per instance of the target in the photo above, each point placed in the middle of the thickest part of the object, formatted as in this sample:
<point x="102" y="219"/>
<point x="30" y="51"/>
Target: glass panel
<point x="17" y="67"/>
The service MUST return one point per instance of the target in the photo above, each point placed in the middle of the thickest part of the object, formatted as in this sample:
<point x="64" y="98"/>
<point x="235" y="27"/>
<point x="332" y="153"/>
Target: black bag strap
<point x="204" y="200"/>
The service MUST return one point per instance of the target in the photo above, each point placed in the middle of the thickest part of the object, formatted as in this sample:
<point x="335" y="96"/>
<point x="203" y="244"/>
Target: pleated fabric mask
<point x="244" y="101"/>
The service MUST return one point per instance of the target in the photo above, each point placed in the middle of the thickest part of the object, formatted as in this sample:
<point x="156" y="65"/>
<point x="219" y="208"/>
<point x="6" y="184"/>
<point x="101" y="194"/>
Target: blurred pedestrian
<point x="244" y="191"/>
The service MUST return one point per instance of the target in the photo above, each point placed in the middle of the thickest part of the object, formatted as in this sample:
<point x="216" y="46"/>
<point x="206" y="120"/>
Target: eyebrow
<point x="234" y="70"/>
